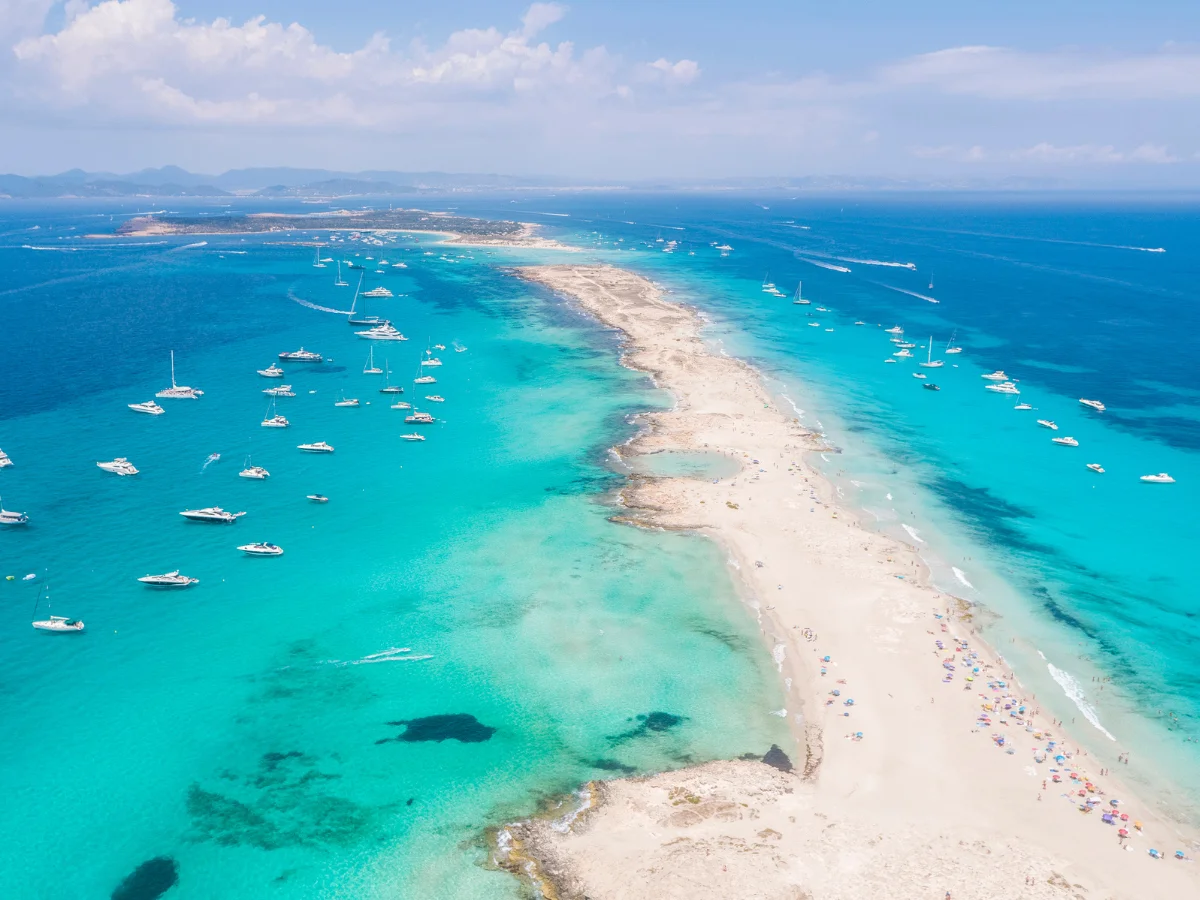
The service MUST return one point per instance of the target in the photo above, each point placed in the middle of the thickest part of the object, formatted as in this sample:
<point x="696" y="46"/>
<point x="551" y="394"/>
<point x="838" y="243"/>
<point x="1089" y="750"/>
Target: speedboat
<point x="318" y="447"/>
<point x="5" y="462"/>
<point x="810" y="325"/>
<point x="284" y="390"/>
<point x="860" y="323"/>
<point x="918" y="375"/>
<point x="262" y="548"/>
<point x="377" y="292"/>
<point x="169" y="580"/>
<point x="425" y="379"/>
<point x="179" y="391"/>
<point x="271" y="371"/>
<point x="275" y="421"/>
<point x="998" y="375"/>
<point x="1065" y="441"/>
<point x="384" y="332"/>
<point x="119" y="466"/>
<point x="1046" y="423"/>
<point x="150" y="408"/>
<point x="930" y="386"/>
<point x="212" y="514"/>
<point x="1022" y="406"/>
<point x="439" y="346"/>
<point x="59" y="625"/>
<point x="889" y="360"/>
<point x="256" y="472"/>
<point x="1096" y="467"/>
<point x="302" y="355"/>
<point x="1004" y="387"/>
<point x="435" y="398"/>
<point x="401" y="405"/>
<point x="352" y="401"/>
<point x="822" y="309"/>
<point x="1093" y="404"/>
<point x="412" y="437"/>
<point x="318" y="498"/>
<point x="1160" y="478"/>
<point x="420" y="418"/>
<point x="10" y="517"/>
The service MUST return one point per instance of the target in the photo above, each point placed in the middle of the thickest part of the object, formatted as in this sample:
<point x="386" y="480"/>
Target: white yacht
<point x="1160" y="478"/>
<point x="5" y="462"/>
<point x="271" y="371"/>
<point x="903" y="354"/>
<point x="1023" y="406"/>
<point x="369" y="368"/>
<point x="950" y="348"/>
<point x="179" y="391"/>
<point x="439" y="346"/>
<point x="377" y="292"/>
<point x="1046" y="423"/>
<point x="425" y="379"/>
<point x="895" y="329"/>
<point x="1065" y="441"/>
<point x="998" y="375"/>
<point x="252" y="471"/>
<point x="352" y="401"/>
<point x="430" y="359"/>
<point x="9" y="517"/>
<point x="284" y="390"/>
<point x="860" y="322"/>
<point x="435" y="398"/>
<point x="412" y="437"/>
<point x="1096" y="467"/>
<point x="169" y="580"/>
<point x="59" y="624"/>
<point x="318" y="447"/>
<point x="384" y="332"/>
<point x="419" y="418"/>
<point x="401" y="405"/>
<point x="211" y="514"/>
<point x="930" y="362"/>
<point x="302" y="355"/>
<point x="1004" y="387"/>
<point x="119" y="466"/>
<point x="262" y="548"/>
<point x="889" y="360"/>
<point x="317" y="498"/>
<point x="810" y="325"/>
<point x="1093" y="404"/>
<point x="275" y="421"/>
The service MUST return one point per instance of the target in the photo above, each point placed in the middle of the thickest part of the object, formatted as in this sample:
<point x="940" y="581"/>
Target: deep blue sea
<point x="236" y="727"/>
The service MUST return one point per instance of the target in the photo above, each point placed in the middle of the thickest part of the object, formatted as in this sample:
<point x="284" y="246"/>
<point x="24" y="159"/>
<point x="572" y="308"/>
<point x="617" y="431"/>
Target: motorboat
<point x="179" y="391"/>
<point x="412" y="437"/>
<point x="284" y="390"/>
<point x="998" y="375"/>
<point x="430" y="359"/>
<point x="425" y="379"/>
<point x="810" y="325"/>
<point x="419" y="418"/>
<point x="212" y="514"/>
<point x="401" y="405"/>
<point x="1096" y="467"/>
<point x="379" y="292"/>
<point x="262" y="548"/>
<point x="169" y="580"/>
<point x="860" y="323"/>
<point x="1004" y="387"/>
<point x="918" y="374"/>
<point x="119" y="466"/>
<point x="889" y="360"/>
<point x="1046" y="423"/>
<point x="271" y="371"/>
<point x="1093" y="404"/>
<point x="930" y="386"/>
<point x="904" y="345"/>
<point x="5" y="462"/>
<point x="384" y="332"/>
<point x="59" y="625"/>
<point x="439" y="346"/>
<point x="821" y="309"/>
<point x="318" y="498"/>
<point x="1065" y="441"/>
<point x="10" y="517"/>
<point x="150" y="408"/>
<point x="318" y="447"/>
<point x="1160" y="478"/>
<point x="1022" y="406"/>
<point x="435" y="398"/>
<point x="302" y="355"/>
<point x="895" y="329"/>
<point x="903" y="354"/>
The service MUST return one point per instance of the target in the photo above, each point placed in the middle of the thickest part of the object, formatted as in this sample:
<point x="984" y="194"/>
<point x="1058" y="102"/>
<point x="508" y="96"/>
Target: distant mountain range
<point x="172" y="181"/>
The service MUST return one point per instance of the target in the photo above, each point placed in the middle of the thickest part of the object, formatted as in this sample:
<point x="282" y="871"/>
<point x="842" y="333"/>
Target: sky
<point x="1096" y="93"/>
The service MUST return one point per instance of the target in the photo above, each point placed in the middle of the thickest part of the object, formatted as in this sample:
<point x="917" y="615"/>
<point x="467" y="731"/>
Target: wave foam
<point x="913" y="533"/>
<point x="961" y="576"/>
<point x="1074" y="692"/>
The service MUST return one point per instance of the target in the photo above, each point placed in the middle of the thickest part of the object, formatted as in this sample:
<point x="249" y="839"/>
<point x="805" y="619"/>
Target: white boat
<point x="1004" y="387"/>
<point x="178" y="391"/>
<point x="412" y="437"/>
<point x="352" y="401"/>
<point x="918" y="374"/>
<point x="904" y="345"/>
<point x="797" y="299"/>
<point x="439" y="346"/>
<point x="399" y="265"/>
<point x="998" y="375"/>
<point x="950" y="348"/>
<point x="10" y="517"/>
<point x="271" y="371"/>
<point x="1065" y="441"/>
<point x="425" y="379"/>
<point x="252" y="471"/>
<point x="903" y="354"/>
<point x="318" y="447"/>
<point x="895" y="329"/>
<point x="822" y="309"/>
<point x="860" y="322"/>
<point x="1096" y="467"/>
<point x="1022" y="406"/>
<point x="435" y="398"/>
<point x="317" y="264"/>
<point x="284" y="390"/>
<point x="272" y="418"/>
<point x="930" y="362"/>
<point x="431" y="361"/>
<point x="458" y="348"/>
<point x="5" y="462"/>
<point x="169" y="580"/>
<point x="384" y="332"/>
<point x="889" y="361"/>
<point x="930" y="282"/>
<point x="301" y="355"/>
<point x="378" y="292"/>
<point x="1046" y="423"/>
<point x="60" y="625"/>
<point x="340" y="282"/>
<point x="388" y="387"/>
<point x="262" y="548"/>
<point x="211" y="514"/>
<point x="1160" y="478"/>
<point x="317" y="498"/>
<point x="419" y="418"/>
<point x="119" y="466"/>
<point x="401" y="405"/>
<point x="1093" y="404"/>
<point x="810" y="325"/>
<point x="369" y="368"/>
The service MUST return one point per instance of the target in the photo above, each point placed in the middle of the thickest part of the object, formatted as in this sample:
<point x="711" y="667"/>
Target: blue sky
<point x="1098" y="93"/>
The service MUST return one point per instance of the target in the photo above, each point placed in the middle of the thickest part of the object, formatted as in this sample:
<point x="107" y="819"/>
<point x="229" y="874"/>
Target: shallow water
<point x="686" y="464"/>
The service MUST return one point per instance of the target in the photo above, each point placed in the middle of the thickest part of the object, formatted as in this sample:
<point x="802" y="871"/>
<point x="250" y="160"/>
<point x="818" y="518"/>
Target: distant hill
<point x="337" y="187"/>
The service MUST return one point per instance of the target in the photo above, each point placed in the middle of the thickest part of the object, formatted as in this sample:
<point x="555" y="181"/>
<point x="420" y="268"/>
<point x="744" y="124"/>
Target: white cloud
<point x="975" y="153"/>
<point x="683" y="72"/>
<point x="1091" y="153"/>
<point x="541" y="16"/>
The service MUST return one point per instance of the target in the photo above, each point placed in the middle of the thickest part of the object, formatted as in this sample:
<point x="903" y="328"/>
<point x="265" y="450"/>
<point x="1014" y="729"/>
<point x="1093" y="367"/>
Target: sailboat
<point x="249" y="470"/>
<point x="931" y="281"/>
<point x="950" y="348"/>
<point x="178" y="391"/>
<point x="317" y="264"/>
<point x="54" y="624"/>
<point x="930" y="362"/>
<point x="370" y="368"/>
<point x="272" y="419"/>
<point x="388" y="387"/>
<point x="341" y="282"/>
<point x="798" y="299"/>
<point x="362" y="320"/>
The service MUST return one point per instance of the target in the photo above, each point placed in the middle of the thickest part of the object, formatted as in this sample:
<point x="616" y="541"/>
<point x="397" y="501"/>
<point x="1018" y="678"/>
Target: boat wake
<point x="189" y="246"/>
<point x="1075" y="693"/>
<point x="340" y="312"/>
<point x="209" y="460"/>
<point x="891" y="287"/>
<point x="878" y="262"/>
<point x="392" y="654"/>
<point x="823" y="265"/>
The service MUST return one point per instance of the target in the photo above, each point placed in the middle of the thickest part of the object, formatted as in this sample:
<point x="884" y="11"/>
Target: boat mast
<point x="172" y="368"/>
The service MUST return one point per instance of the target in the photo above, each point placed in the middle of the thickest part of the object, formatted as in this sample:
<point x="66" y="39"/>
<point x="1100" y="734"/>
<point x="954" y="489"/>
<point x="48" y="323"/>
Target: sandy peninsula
<point x="919" y="768"/>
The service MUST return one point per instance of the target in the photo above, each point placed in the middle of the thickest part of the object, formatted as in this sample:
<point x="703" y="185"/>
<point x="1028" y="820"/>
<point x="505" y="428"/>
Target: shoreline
<point x="916" y="764"/>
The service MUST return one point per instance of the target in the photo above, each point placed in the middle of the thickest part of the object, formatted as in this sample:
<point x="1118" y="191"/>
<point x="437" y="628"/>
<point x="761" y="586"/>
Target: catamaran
<point x="178" y="391"/>
<point x="5" y="462"/>
<point x="273" y="419"/>
<point x="425" y="379"/>
<point x="419" y="418"/>
<point x="252" y="471"/>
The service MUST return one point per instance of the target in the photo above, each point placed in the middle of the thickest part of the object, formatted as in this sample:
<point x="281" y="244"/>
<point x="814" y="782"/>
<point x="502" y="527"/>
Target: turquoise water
<point x="686" y="464"/>
<point x="241" y="727"/>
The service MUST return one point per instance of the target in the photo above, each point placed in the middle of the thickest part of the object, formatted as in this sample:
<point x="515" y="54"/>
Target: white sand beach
<point x="909" y="780"/>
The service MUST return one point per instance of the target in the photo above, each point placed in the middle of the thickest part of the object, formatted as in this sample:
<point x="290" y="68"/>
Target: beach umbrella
<point x="1124" y="817"/>
<point x="1123" y="832"/>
